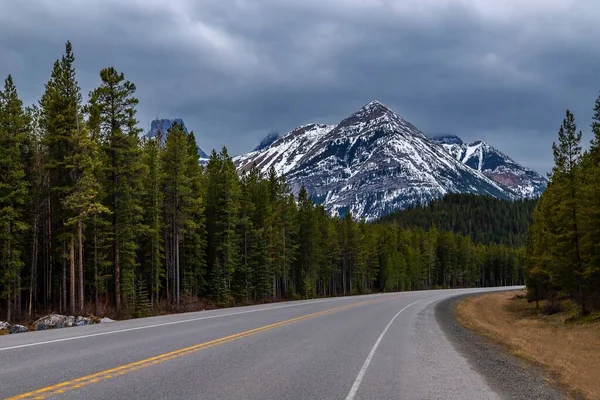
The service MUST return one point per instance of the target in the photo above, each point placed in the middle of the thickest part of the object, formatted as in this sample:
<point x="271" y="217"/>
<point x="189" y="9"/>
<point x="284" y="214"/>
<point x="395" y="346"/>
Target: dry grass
<point x="570" y="351"/>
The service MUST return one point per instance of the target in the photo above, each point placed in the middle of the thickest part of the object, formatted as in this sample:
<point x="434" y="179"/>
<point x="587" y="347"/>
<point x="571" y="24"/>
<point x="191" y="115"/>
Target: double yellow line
<point x="65" y="386"/>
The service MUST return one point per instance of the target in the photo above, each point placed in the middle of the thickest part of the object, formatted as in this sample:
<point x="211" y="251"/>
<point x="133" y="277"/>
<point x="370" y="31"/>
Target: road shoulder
<point x="508" y="375"/>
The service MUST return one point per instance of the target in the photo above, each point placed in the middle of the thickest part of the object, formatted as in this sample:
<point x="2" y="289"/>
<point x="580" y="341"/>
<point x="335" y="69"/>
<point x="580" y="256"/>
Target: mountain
<point x="372" y="163"/>
<point x="163" y="125"/>
<point x="284" y="153"/>
<point x="522" y="181"/>
<point x="267" y="141"/>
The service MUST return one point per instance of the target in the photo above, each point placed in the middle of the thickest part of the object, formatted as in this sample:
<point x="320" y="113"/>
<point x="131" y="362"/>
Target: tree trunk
<point x="177" y="262"/>
<point x="72" y="275"/>
<point x="152" y="275"/>
<point x="168" y="266"/>
<point x="9" y="283"/>
<point x="95" y="267"/>
<point x="34" y="257"/>
<point x="81" y="277"/>
<point x="50" y="257"/>
<point x="64" y="278"/>
<point x="117" y="278"/>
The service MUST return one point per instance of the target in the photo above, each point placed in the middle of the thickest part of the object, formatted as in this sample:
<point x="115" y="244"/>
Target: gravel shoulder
<point x="511" y="377"/>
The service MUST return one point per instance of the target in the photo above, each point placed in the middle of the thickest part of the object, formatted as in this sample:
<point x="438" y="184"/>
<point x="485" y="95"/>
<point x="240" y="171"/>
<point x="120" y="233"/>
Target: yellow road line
<point x="62" y="387"/>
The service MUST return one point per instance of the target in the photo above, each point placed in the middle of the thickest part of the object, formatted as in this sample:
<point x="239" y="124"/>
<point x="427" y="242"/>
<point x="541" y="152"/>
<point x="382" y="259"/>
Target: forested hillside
<point x="484" y="219"/>
<point x="93" y="218"/>
<point x="563" y="246"/>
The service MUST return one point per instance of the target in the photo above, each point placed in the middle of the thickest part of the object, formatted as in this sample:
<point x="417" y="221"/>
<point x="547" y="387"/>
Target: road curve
<point x="384" y="346"/>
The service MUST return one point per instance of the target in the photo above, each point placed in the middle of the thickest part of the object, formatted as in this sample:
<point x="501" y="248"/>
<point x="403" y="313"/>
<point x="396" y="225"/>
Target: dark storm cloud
<point x="236" y="70"/>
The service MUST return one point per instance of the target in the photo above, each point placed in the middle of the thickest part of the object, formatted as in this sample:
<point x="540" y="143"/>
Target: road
<point x="384" y="346"/>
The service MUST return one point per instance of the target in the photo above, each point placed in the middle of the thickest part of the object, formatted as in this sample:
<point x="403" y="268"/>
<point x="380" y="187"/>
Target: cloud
<point x="235" y="70"/>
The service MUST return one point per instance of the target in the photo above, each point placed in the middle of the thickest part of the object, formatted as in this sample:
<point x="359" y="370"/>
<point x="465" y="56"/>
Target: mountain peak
<point x="374" y="104"/>
<point x="163" y="125"/>
<point x="267" y="141"/>
<point x="369" y="112"/>
<point x="374" y="107"/>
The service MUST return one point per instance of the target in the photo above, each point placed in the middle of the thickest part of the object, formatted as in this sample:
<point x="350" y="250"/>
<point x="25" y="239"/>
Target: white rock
<point x="50" y="322"/>
<point x="17" y="329"/>
<point x="106" y="320"/>
<point x="4" y="326"/>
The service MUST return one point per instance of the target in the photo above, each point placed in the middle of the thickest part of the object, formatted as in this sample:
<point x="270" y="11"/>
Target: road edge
<point x="511" y="377"/>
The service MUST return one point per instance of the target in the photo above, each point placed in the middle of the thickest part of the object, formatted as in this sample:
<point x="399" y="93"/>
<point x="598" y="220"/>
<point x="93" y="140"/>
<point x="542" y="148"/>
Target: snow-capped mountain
<point x="371" y="163"/>
<point x="163" y="125"/>
<point x="285" y="152"/>
<point x="522" y="181"/>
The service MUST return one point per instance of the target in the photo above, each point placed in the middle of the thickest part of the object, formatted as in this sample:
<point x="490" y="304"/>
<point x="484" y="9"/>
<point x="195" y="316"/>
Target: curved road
<point x="384" y="346"/>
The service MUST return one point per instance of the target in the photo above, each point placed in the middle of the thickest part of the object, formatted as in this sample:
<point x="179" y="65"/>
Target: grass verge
<point x="567" y="347"/>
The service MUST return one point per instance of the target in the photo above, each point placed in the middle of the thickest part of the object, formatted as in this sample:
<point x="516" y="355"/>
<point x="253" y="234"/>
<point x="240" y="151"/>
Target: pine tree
<point x="569" y="267"/>
<point x="113" y="103"/>
<point x="195" y="239"/>
<point x="37" y="178"/>
<point x="222" y="207"/>
<point x="152" y="203"/>
<point x="590" y="218"/>
<point x="61" y="119"/>
<point x="141" y="306"/>
<point x="83" y="200"/>
<point x="13" y="190"/>
<point x="178" y="198"/>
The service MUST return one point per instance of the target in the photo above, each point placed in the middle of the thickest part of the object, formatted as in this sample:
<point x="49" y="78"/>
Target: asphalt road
<point x="386" y="346"/>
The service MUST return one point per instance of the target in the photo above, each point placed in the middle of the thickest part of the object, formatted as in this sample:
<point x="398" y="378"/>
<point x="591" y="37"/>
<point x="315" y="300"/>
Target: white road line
<point x="361" y="374"/>
<point x="169" y="323"/>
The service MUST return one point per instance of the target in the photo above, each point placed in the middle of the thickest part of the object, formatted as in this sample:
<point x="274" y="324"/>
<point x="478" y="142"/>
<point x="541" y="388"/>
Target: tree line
<point x="484" y="219"/>
<point x="563" y="244"/>
<point x="96" y="218"/>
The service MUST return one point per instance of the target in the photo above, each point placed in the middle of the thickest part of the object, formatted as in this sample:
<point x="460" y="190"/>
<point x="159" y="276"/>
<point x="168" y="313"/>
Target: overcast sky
<point x="235" y="70"/>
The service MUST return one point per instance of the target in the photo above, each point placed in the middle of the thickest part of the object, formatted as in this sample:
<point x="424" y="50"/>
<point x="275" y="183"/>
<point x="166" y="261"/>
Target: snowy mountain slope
<point x="522" y="181"/>
<point x="285" y="152"/>
<point x="371" y="163"/>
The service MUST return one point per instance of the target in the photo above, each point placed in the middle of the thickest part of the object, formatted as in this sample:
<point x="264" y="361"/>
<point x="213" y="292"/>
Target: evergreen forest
<point x="563" y="243"/>
<point x="485" y="219"/>
<point x="97" y="219"/>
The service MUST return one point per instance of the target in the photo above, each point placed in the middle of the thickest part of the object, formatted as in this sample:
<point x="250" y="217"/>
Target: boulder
<point x="17" y="329"/>
<point x="4" y="326"/>
<point x="70" y="321"/>
<point x="51" y="321"/>
<point x="82" y="321"/>
<point x="106" y="320"/>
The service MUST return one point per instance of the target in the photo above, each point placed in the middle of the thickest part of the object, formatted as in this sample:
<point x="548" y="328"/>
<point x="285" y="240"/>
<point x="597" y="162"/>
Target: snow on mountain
<point x="163" y="126"/>
<point x="522" y="181"/>
<point x="371" y="163"/>
<point x="285" y="152"/>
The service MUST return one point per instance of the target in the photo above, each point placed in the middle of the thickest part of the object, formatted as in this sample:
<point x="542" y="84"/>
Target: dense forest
<point x="484" y="219"/>
<point x="94" y="218"/>
<point x="563" y="244"/>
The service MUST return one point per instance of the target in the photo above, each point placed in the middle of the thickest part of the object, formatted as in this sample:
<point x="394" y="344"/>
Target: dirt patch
<point x="570" y="351"/>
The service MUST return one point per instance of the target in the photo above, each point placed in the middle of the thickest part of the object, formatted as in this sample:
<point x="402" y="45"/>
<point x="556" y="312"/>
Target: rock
<point x="51" y="321"/>
<point x="106" y="320"/>
<point x="70" y="321"/>
<point x="4" y="326"/>
<point x="82" y="321"/>
<point x="17" y="329"/>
